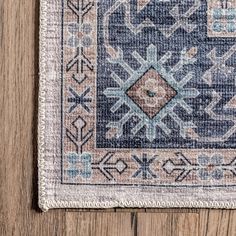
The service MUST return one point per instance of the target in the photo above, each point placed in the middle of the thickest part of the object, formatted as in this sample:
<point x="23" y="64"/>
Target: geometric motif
<point x="222" y="18"/>
<point x="150" y="94"/>
<point x="157" y="93"/>
<point x="174" y="93"/>
<point x="140" y="96"/>
<point x="206" y="167"/>
<point x="195" y="118"/>
<point x="145" y="170"/>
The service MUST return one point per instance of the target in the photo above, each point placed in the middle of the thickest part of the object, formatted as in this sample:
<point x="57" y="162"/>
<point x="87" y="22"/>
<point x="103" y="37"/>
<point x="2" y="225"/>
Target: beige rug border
<point x="45" y="204"/>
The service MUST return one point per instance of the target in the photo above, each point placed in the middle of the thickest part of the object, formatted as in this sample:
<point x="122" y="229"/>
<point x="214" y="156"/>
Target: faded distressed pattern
<point x="137" y="103"/>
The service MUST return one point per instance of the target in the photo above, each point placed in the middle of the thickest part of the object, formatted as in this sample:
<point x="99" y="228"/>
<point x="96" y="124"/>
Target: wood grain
<point x="19" y="214"/>
<point x="99" y="224"/>
<point x="179" y="224"/>
<point x="217" y="222"/>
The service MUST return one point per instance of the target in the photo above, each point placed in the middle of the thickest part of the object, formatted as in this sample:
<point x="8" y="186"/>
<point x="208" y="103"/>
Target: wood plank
<point x="151" y="224"/>
<point x="18" y="160"/>
<point x="99" y="224"/>
<point x="232" y="222"/>
<point x="167" y="224"/>
<point x="172" y="210"/>
<point x="185" y="224"/>
<point x="217" y="223"/>
<point x="131" y="210"/>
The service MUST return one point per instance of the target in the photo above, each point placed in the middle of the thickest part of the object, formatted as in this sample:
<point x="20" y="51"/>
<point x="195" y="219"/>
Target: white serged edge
<point x="136" y="204"/>
<point x="45" y="204"/>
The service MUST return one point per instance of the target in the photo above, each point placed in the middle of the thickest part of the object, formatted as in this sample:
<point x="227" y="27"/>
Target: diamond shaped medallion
<point x="151" y="92"/>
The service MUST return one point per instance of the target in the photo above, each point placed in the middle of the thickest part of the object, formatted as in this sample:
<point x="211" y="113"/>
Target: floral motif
<point x="210" y="167"/>
<point x="223" y="17"/>
<point x="80" y="35"/>
<point x="80" y="165"/>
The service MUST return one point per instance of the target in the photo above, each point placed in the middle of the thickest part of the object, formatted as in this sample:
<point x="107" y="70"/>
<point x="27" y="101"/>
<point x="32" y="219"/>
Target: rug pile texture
<point x="137" y="103"/>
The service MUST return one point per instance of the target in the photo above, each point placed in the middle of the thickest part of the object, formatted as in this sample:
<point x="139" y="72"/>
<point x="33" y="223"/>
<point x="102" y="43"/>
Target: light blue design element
<point x="168" y="74"/>
<point x="231" y="27"/>
<point x="80" y="165"/>
<point x="231" y="14"/>
<point x="86" y="28"/>
<point x="86" y="41"/>
<point x="218" y="14"/>
<point x="75" y="30"/>
<point x="73" y="42"/>
<point x="210" y="168"/>
<point x="206" y="167"/>
<point x="217" y="26"/>
<point x="224" y="20"/>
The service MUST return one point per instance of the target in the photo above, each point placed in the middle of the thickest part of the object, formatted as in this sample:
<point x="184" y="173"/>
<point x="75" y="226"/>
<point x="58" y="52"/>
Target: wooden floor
<point x="19" y="214"/>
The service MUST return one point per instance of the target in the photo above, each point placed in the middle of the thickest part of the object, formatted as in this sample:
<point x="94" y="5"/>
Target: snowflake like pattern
<point x="151" y="123"/>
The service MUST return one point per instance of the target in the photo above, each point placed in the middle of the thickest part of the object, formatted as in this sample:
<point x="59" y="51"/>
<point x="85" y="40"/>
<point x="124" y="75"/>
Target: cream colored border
<point x="45" y="204"/>
<point x="211" y="4"/>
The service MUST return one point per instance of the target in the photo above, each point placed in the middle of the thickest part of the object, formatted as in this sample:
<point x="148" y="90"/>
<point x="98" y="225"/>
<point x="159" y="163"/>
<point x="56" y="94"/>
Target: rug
<point x="137" y="103"/>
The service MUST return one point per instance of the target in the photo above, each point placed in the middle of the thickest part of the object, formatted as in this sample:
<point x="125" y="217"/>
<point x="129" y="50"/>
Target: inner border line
<point x="62" y="86"/>
<point x="62" y="131"/>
